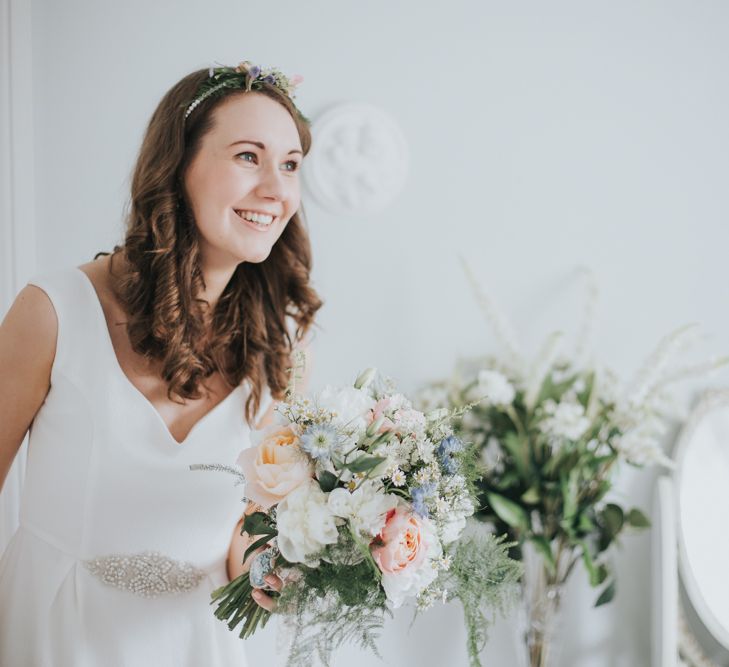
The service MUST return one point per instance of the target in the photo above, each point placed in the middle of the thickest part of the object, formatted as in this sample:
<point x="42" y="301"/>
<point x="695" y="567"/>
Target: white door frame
<point x="17" y="202"/>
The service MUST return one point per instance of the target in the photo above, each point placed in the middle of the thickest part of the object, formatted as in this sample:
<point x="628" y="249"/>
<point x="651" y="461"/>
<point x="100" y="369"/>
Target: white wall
<point x="543" y="135"/>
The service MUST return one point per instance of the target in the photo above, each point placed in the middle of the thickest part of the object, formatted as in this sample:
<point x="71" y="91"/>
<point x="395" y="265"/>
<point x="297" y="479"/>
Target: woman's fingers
<point x="263" y="600"/>
<point x="274" y="582"/>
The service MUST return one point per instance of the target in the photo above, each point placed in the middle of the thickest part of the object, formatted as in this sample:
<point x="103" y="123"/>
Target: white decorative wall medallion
<point x="359" y="160"/>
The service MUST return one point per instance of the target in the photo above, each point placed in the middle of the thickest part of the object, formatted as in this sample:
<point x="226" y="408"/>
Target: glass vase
<point x="539" y="612"/>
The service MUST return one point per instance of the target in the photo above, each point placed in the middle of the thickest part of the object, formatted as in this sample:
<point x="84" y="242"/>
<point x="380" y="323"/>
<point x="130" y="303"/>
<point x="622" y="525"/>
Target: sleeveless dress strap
<point x="77" y="321"/>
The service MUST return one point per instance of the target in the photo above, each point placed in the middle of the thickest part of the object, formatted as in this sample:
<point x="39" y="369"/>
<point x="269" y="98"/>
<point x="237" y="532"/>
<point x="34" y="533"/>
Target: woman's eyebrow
<point x="260" y="145"/>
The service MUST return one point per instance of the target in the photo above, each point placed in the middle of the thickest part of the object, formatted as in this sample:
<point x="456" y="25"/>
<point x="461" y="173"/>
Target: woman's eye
<point x="247" y="156"/>
<point x="291" y="165"/>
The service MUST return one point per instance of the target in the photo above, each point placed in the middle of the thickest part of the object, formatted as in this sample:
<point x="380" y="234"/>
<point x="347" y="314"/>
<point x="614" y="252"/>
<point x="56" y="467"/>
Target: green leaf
<point x="364" y="463"/>
<point x="518" y="447"/>
<point x="637" y="519"/>
<point x="260" y="542"/>
<point x="612" y="520"/>
<point x="554" y="391"/>
<point x="327" y="481"/>
<point x="258" y="523"/>
<point x="607" y="595"/>
<point x="585" y="524"/>
<point x="589" y="565"/>
<point x="602" y="488"/>
<point x="584" y="396"/>
<point x="569" y="496"/>
<point x="602" y="574"/>
<point x="508" y="511"/>
<point x="531" y="496"/>
<point x="542" y="545"/>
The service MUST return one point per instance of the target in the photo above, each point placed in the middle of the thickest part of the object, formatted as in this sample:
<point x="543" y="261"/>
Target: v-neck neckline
<point x="134" y="389"/>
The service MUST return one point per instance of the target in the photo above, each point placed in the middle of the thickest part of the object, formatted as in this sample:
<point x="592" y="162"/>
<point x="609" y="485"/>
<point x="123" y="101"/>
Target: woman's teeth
<point x="261" y="219"/>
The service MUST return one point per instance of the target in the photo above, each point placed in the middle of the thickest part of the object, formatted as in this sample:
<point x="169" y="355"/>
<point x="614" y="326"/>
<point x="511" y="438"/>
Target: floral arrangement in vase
<point x="551" y="435"/>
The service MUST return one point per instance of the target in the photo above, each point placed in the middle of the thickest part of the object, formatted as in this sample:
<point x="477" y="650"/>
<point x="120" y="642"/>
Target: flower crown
<point x="245" y="76"/>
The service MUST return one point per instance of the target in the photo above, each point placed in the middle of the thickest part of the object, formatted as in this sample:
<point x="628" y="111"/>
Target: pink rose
<point x="378" y="411"/>
<point x="404" y="551"/>
<point x="400" y="543"/>
<point x="274" y="467"/>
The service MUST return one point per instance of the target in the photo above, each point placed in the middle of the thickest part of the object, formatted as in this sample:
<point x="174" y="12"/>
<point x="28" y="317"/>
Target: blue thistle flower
<point x="420" y="495"/>
<point x="320" y="441"/>
<point x="446" y="451"/>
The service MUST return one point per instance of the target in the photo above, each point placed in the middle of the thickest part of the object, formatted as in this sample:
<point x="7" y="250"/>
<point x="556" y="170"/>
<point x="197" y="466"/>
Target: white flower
<point x="398" y="477"/>
<point x="492" y="454"/>
<point x="641" y="445"/>
<point x="566" y="419"/>
<point x="424" y="452"/>
<point x="453" y="523"/>
<point x="305" y="524"/>
<point x="495" y="387"/>
<point x="366" y="508"/>
<point x="350" y="405"/>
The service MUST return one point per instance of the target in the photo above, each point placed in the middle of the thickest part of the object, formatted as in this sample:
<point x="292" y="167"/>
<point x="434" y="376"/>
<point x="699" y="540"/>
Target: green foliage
<point x="484" y="579"/>
<point x="637" y="519"/>
<point x="607" y="595"/>
<point x="327" y="481"/>
<point x="551" y="490"/>
<point x="235" y="606"/>
<point x="338" y="602"/>
<point x="508" y="511"/>
<point x="329" y="606"/>
<point x="258" y="524"/>
<point x="363" y="463"/>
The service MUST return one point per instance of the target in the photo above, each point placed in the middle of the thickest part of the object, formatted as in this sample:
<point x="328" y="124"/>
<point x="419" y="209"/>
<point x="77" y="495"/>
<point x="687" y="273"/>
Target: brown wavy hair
<point x="246" y="336"/>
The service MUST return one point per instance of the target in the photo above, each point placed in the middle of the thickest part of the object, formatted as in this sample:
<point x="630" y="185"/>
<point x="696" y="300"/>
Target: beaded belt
<point x="148" y="574"/>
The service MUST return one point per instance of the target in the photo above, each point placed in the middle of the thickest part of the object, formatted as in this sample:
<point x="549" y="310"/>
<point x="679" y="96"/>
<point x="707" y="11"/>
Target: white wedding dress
<point x="120" y="543"/>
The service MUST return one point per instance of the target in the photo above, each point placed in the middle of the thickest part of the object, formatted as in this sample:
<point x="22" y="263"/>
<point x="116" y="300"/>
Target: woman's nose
<point x="271" y="185"/>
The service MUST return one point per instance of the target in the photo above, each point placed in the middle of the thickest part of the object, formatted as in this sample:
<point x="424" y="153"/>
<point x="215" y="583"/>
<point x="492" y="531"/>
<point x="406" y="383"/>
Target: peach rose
<point x="379" y="412"/>
<point x="274" y="466"/>
<point x="403" y="551"/>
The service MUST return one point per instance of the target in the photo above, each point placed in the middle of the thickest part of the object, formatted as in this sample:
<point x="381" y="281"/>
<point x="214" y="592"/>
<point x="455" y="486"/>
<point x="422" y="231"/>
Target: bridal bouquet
<point x="362" y="503"/>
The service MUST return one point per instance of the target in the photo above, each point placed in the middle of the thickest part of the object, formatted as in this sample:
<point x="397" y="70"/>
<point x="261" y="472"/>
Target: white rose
<point x="365" y="508"/>
<point x="305" y="524"/>
<point x="496" y="387"/>
<point x="351" y="405"/>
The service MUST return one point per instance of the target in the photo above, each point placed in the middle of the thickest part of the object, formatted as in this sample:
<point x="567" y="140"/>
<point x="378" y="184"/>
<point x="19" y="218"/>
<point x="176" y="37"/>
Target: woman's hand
<point x="262" y="598"/>
<point x="236" y="566"/>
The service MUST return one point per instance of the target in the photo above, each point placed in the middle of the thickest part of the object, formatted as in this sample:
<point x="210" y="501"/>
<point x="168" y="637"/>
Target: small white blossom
<point x="565" y="419"/>
<point x="495" y="387"/>
<point x="398" y="477"/>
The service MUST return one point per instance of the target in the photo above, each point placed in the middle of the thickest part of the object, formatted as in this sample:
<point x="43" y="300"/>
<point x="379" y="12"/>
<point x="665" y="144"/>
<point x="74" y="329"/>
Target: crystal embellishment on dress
<point x="148" y="574"/>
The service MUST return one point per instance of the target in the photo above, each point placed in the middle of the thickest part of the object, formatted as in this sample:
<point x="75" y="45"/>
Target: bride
<point x="130" y="368"/>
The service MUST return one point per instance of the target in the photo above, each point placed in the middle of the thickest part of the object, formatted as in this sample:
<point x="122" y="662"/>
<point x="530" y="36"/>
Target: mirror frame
<point x="709" y="402"/>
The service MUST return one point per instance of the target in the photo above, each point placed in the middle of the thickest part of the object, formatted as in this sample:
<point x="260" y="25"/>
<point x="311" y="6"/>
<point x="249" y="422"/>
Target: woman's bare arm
<point x="27" y="349"/>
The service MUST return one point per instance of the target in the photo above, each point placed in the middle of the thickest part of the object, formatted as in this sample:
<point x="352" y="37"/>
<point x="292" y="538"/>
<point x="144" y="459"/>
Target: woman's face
<point x="243" y="184"/>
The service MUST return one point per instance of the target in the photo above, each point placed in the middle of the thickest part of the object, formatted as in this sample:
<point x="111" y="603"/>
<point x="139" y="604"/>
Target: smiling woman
<point x="259" y="186"/>
<point x="127" y="369"/>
